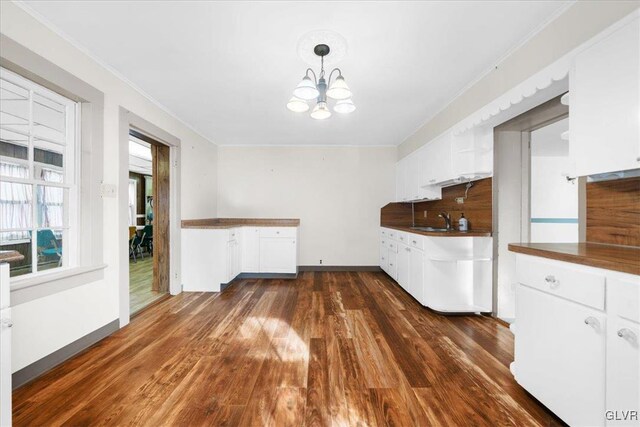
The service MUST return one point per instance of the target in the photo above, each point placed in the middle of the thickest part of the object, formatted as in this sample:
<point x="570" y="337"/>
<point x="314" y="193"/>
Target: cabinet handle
<point x="593" y="322"/>
<point x="551" y="280"/>
<point x="627" y="334"/>
<point x="7" y="322"/>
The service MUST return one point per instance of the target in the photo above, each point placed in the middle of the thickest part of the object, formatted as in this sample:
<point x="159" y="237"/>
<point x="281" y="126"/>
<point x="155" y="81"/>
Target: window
<point x="38" y="192"/>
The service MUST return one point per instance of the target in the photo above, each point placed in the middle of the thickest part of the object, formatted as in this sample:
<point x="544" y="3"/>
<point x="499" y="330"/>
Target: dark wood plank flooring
<point x="326" y="349"/>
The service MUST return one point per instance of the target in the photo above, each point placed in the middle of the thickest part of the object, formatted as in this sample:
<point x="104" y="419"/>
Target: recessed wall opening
<point x="148" y="203"/>
<point x="536" y="197"/>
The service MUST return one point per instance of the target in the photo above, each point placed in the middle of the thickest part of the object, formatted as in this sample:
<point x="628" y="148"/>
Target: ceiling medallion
<point x="320" y="89"/>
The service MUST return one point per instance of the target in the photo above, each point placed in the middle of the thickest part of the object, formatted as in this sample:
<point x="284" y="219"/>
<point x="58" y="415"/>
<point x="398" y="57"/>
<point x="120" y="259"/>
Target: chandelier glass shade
<point x="319" y="90"/>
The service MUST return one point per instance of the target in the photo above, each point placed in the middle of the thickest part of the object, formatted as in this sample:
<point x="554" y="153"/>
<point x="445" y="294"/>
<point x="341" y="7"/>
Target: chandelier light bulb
<point x="306" y="89"/>
<point x="339" y="89"/>
<point x="320" y="111"/>
<point x="344" y="106"/>
<point x="297" y="105"/>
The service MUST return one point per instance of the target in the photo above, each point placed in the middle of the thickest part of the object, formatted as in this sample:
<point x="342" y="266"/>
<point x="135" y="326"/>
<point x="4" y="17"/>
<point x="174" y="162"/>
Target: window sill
<point x="27" y="282"/>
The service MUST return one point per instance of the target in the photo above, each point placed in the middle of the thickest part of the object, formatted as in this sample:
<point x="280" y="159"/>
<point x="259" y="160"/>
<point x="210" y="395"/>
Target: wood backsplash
<point x="477" y="207"/>
<point x="613" y="212"/>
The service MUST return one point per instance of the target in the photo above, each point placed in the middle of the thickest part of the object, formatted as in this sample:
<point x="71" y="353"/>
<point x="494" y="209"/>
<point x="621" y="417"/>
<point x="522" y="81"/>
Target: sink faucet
<point x="447" y="219"/>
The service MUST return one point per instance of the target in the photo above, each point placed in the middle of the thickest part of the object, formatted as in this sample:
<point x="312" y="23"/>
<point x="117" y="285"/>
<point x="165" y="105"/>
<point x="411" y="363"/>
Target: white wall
<point x="579" y="23"/>
<point x="49" y="323"/>
<point x="553" y="198"/>
<point x="337" y="193"/>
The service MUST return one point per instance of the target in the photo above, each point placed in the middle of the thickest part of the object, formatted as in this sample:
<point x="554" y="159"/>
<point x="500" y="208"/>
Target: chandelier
<point x="320" y="89"/>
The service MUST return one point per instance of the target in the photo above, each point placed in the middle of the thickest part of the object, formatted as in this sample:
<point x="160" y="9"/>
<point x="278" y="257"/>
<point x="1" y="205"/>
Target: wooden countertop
<point x="452" y="233"/>
<point x="10" y="256"/>
<point x="611" y="257"/>
<point x="239" y="222"/>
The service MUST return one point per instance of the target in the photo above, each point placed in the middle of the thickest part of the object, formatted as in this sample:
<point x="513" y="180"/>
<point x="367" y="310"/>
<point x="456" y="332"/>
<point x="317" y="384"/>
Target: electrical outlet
<point x="320" y="262"/>
<point x="460" y="200"/>
<point x="425" y="214"/>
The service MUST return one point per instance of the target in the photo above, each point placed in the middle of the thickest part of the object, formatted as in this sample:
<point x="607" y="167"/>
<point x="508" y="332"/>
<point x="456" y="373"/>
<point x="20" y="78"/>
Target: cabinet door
<point x="416" y="273"/>
<point x="393" y="267"/>
<point x="403" y="265"/>
<point x="277" y="255"/>
<point x="439" y="160"/>
<point x="251" y="250"/>
<point x="560" y="355"/>
<point x="5" y="363"/>
<point x="401" y="181"/>
<point x="605" y="100"/>
<point x="623" y="371"/>
<point x="384" y="256"/>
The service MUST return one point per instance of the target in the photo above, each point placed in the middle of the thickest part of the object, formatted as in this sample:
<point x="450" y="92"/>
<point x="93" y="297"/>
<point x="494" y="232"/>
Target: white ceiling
<point x="228" y="68"/>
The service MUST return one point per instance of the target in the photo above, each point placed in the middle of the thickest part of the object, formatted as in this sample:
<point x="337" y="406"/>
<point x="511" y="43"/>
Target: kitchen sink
<point x="430" y="229"/>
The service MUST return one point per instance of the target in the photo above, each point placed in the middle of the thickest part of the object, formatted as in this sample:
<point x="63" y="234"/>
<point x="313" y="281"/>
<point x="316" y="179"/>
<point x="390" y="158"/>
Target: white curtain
<point x="15" y="202"/>
<point x="132" y="202"/>
<point x="51" y="201"/>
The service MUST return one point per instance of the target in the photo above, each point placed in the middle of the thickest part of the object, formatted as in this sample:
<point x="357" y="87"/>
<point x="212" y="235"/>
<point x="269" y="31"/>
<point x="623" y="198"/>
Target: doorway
<point x="535" y="195"/>
<point x="148" y="247"/>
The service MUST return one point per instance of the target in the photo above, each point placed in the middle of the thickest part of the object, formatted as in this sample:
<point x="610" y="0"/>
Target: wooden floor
<point x="325" y="349"/>
<point x="140" y="278"/>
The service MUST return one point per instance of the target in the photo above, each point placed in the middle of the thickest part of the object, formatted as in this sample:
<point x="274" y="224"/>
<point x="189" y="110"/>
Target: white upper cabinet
<point x="604" y="114"/>
<point x="438" y="154"/>
<point x="472" y="154"/>
<point x="401" y="181"/>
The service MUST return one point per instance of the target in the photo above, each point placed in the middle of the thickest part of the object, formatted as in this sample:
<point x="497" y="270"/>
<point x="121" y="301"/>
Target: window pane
<point x="14" y="107"/>
<point x="51" y="205"/>
<point x="15" y="205"/>
<point x="14" y="145"/>
<point x="20" y="242"/>
<point x="48" y="119"/>
<point x="49" y="249"/>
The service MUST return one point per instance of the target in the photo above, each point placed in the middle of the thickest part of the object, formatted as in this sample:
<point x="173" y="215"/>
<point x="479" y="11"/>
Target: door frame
<point x="129" y="120"/>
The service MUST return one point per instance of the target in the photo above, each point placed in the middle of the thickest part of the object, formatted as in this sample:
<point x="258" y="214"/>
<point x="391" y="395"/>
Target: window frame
<point x="71" y="170"/>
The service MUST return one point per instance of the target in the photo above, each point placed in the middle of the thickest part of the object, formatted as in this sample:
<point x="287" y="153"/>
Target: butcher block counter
<point x="625" y="259"/>
<point x="240" y="222"/>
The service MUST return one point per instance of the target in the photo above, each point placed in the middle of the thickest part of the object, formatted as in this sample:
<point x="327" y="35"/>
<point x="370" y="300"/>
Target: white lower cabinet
<point x="576" y="340"/>
<point x="560" y="355"/>
<point x="416" y="273"/>
<point x="278" y="254"/>
<point x="211" y="257"/>
<point x="403" y="266"/>
<point x="250" y="249"/>
<point x="448" y="274"/>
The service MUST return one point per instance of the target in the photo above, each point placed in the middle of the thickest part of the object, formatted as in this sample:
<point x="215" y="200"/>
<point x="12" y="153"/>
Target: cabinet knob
<point x="552" y="281"/>
<point x="593" y="322"/>
<point x="391" y="264"/>
<point x="407" y="249"/>
<point x="628" y="335"/>
<point x="6" y="322"/>
<point x="414" y="242"/>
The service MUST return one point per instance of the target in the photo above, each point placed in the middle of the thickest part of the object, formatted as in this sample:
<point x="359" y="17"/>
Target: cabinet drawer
<point x="416" y="241"/>
<point x="234" y="234"/>
<point x="278" y="232"/>
<point x="392" y="234"/>
<point x="384" y="233"/>
<point x="392" y="268"/>
<point x="562" y="279"/>
<point x="393" y="246"/>
<point x="402" y="237"/>
<point x="623" y="298"/>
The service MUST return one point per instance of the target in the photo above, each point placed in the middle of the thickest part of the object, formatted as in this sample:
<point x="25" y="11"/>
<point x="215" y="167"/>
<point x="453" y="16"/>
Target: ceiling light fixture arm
<point x="315" y="78"/>
<point x="331" y="74"/>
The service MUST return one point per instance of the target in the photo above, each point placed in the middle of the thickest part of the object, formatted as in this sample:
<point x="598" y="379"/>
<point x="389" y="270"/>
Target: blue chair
<point x="147" y="238"/>
<point x="48" y="245"/>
